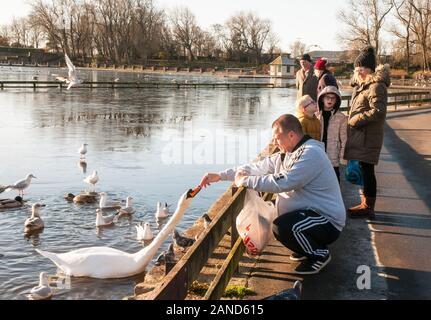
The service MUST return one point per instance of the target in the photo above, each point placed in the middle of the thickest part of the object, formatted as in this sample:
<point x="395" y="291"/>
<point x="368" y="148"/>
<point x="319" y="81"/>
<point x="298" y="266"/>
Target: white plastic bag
<point x="254" y="222"/>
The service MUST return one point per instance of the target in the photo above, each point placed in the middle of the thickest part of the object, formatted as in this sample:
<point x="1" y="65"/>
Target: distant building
<point x="334" y="57"/>
<point x="282" y="67"/>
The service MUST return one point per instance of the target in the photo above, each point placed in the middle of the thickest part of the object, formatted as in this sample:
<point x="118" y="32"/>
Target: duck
<point x="181" y="241"/>
<point x="85" y="198"/>
<point x="102" y="220"/>
<point x="110" y="263"/>
<point x="162" y="211"/>
<point x="35" y="222"/>
<point x="128" y="209"/>
<point x="69" y="197"/>
<point x="21" y="185"/>
<point x="167" y="256"/>
<point x="43" y="290"/>
<point x="83" y="150"/>
<point x="105" y="204"/>
<point x="11" y="203"/>
<point x="92" y="179"/>
<point x="144" y="232"/>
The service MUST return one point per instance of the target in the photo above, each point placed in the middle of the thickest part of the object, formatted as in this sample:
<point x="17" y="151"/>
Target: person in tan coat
<point x="333" y="125"/>
<point x="306" y="80"/>
<point x="366" y="125"/>
<point x="306" y="109"/>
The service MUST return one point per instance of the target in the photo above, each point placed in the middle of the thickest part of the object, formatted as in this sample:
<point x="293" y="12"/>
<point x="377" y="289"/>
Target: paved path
<point x="395" y="246"/>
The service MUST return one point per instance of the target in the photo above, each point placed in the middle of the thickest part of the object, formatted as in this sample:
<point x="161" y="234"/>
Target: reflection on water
<point x="127" y="132"/>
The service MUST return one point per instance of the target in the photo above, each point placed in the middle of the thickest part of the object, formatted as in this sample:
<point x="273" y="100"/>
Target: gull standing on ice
<point x="21" y="185"/>
<point x="83" y="150"/>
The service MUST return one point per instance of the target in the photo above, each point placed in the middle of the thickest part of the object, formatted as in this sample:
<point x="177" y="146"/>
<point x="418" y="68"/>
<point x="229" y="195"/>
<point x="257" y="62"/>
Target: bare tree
<point x="421" y="28"/>
<point x="4" y="36"/>
<point x="297" y="48"/>
<point x="364" y="20"/>
<point x="404" y="15"/>
<point x="185" y="29"/>
<point x="251" y="31"/>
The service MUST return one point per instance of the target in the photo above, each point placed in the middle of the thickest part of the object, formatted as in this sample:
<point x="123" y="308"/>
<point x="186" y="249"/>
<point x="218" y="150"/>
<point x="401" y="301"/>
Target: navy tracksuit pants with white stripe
<point x="305" y="232"/>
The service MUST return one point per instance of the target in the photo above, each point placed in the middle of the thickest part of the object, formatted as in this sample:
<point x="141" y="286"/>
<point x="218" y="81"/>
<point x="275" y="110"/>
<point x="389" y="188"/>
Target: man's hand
<point x="240" y="177"/>
<point x="209" y="178"/>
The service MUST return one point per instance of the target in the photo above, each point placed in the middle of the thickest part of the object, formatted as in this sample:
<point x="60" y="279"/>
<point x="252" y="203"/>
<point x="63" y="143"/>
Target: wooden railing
<point x="177" y="282"/>
<point x="396" y="99"/>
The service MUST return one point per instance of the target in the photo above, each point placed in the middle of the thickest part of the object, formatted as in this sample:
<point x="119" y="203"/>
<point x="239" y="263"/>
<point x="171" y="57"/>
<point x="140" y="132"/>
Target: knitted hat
<point x="366" y="58"/>
<point x="320" y="64"/>
<point x="306" y="57"/>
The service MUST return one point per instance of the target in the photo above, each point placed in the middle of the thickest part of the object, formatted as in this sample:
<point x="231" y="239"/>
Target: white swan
<point x="92" y="179"/>
<point x="162" y="211"/>
<point x="83" y="150"/>
<point x="42" y="291"/>
<point x="21" y="185"/>
<point x="102" y="220"/>
<point x="34" y="222"/>
<point x="144" y="233"/>
<point x="106" y="263"/>
<point x="105" y="204"/>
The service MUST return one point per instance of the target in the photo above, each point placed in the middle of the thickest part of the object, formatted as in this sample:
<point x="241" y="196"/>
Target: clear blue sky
<point x="314" y="22"/>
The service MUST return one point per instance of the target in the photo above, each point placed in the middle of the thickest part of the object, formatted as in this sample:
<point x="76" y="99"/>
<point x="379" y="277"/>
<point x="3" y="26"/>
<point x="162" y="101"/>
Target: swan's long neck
<point x="144" y="256"/>
<point x="128" y="203"/>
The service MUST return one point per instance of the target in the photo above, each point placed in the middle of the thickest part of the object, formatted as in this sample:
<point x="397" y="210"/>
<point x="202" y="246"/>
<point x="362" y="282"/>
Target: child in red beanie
<point x="325" y="77"/>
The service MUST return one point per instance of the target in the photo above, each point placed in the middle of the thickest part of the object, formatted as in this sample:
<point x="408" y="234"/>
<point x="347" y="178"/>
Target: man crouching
<point x="311" y="212"/>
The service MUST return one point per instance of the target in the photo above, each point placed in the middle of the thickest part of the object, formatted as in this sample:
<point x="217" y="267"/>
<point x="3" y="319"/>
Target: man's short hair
<point x="288" y="122"/>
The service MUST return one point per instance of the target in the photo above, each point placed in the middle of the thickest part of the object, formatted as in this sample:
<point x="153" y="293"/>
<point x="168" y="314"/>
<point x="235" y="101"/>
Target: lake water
<point x="152" y="144"/>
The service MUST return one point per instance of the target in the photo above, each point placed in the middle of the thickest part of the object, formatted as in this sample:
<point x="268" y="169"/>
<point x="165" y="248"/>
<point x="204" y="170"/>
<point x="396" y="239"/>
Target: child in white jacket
<point x="333" y="126"/>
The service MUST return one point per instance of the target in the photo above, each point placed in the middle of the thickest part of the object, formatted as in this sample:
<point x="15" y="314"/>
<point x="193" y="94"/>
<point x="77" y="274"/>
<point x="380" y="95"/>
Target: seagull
<point x="102" y="220"/>
<point x="105" y="204"/>
<point x="182" y="241"/>
<point x="117" y="80"/>
<point x="21" y="185"/>
<point x="72" y="79"/>
<point x="162" y="211"/>
<point x="83" y="150"/>
<point x="92" y="179"/>
<point x="128" y="209"/>
<point x="143" y="232"/>
<point x="42" y="291"/>
<point x="288" y="294"/>
<point x="167" y="256"/>
<point x="35" y="222"/>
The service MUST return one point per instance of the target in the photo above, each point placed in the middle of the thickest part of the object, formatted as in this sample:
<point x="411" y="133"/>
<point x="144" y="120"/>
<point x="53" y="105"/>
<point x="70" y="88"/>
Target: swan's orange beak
<point x="193" y="192"/>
